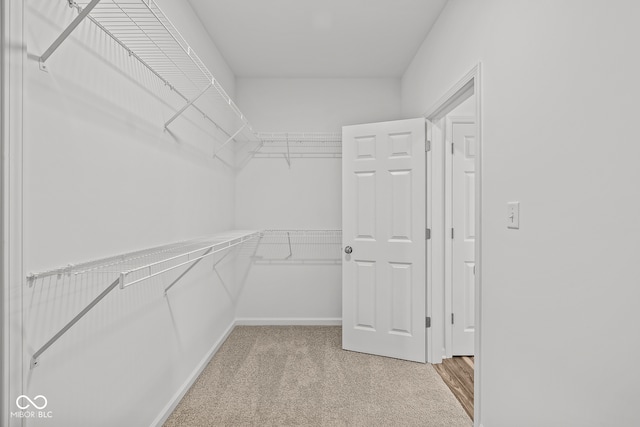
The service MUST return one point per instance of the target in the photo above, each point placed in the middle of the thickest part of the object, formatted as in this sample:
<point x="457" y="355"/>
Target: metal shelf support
<point x="195" y="262"/>
<point x="36" y="356"/>
<point x="187" y="105"/>
<point x="62" y="37"/>
<point x="288" y="157"/>
<point x="289" y="242"/>
<point x="231" y="138"/>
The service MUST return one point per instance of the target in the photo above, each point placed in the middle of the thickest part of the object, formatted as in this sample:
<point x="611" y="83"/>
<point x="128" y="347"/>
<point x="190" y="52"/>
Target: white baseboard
<point x="285" y="321"/>
<point x="171" y="406"/>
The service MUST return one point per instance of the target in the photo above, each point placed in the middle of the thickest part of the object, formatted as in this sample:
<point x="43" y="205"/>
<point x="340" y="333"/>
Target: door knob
<point x="348" y="250"/>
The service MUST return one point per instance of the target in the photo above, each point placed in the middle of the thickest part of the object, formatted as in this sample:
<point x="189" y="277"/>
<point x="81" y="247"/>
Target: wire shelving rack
<point x="147" y="34"/>
<point x="299" y="247"/>
<point x="134" y="267"/>
<point x="290" y="145"/>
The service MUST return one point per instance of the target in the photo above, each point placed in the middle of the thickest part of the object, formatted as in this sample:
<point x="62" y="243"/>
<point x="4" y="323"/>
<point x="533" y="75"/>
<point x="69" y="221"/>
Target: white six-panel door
<point x="463" y="244"/>
<point x="383" y="222"/>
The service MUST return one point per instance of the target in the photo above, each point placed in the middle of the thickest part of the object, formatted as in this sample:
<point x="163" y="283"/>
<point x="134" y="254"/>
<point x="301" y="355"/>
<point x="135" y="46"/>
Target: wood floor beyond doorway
<point x="457" y="374"/>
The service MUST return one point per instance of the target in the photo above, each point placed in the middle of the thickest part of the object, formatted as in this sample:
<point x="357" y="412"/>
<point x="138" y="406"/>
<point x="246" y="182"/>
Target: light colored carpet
<point x="300" y="376"/>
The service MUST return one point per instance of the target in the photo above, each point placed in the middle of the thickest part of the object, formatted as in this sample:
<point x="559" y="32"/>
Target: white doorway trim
<point x="449" y="301"/>
<point x="12" y="58"/>
<point x="437" y="298"/>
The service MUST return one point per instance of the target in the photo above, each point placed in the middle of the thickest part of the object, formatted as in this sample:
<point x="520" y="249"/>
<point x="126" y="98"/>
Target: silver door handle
<point x="348" y="250"/>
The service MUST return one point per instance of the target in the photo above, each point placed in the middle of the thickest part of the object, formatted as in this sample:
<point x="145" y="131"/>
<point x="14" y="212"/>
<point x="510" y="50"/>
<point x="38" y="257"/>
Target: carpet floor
<point x="300" y="376"/>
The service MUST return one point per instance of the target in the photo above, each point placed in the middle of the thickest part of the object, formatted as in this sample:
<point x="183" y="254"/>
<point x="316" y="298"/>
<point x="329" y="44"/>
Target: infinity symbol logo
<point x="31" y="402"/>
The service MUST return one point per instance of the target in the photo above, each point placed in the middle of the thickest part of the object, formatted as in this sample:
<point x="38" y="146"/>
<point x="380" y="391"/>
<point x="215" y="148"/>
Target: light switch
<point x="513" y="215"/>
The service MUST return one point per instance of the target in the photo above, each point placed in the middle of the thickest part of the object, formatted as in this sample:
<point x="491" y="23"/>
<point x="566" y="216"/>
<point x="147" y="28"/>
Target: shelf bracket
<point x="257" y="150"/>
<point x="62" y="37"/>
<point x="289" y="241"/>
<point x="187" y="105"/>
<point x="215" y="264"/>
<point x="231" y="138"/>
<point x="195" y="262"/>
<point x="288" y="153"/>
<point x="36" y="356"/>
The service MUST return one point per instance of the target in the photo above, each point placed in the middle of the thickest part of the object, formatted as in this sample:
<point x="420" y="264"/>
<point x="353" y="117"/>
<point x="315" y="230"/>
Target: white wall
<point x="103" y="178"/>
<point x="270" y="195"/>
<point x="559" y="299"/>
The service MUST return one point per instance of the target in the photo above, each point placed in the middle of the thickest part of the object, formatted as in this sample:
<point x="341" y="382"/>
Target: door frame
<point x="449" y="121"/>
<point x="13" y="55"/>
<point x="437" y="346"/>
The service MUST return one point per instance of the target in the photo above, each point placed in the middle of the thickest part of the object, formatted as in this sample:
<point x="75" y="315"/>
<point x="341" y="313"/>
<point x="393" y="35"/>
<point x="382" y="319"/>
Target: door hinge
<point x="452" y="233"/>
<point x="428" y="322"/>
<point x="427" y="145"/>
<point x="452" y="148"/>
<point x="428" y="233"/>
<point x="452" y="318"/>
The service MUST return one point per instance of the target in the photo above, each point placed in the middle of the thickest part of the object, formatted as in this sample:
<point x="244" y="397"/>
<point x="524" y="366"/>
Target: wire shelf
<point x="299" y="246"/>
<point x="301" y="144"/>
<point x="305" y="236"/>
<point x="147" y="34"/>
<point x="134" y="267"/>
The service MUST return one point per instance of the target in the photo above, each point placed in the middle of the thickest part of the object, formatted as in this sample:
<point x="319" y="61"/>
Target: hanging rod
<point x="143" y="265"/>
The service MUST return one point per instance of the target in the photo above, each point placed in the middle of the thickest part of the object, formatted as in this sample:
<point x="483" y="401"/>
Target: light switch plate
<point x="513" y="215"/>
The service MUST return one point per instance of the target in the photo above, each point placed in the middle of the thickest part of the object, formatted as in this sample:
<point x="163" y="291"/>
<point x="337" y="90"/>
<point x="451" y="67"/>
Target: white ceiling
<point x="318" y="38"/>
